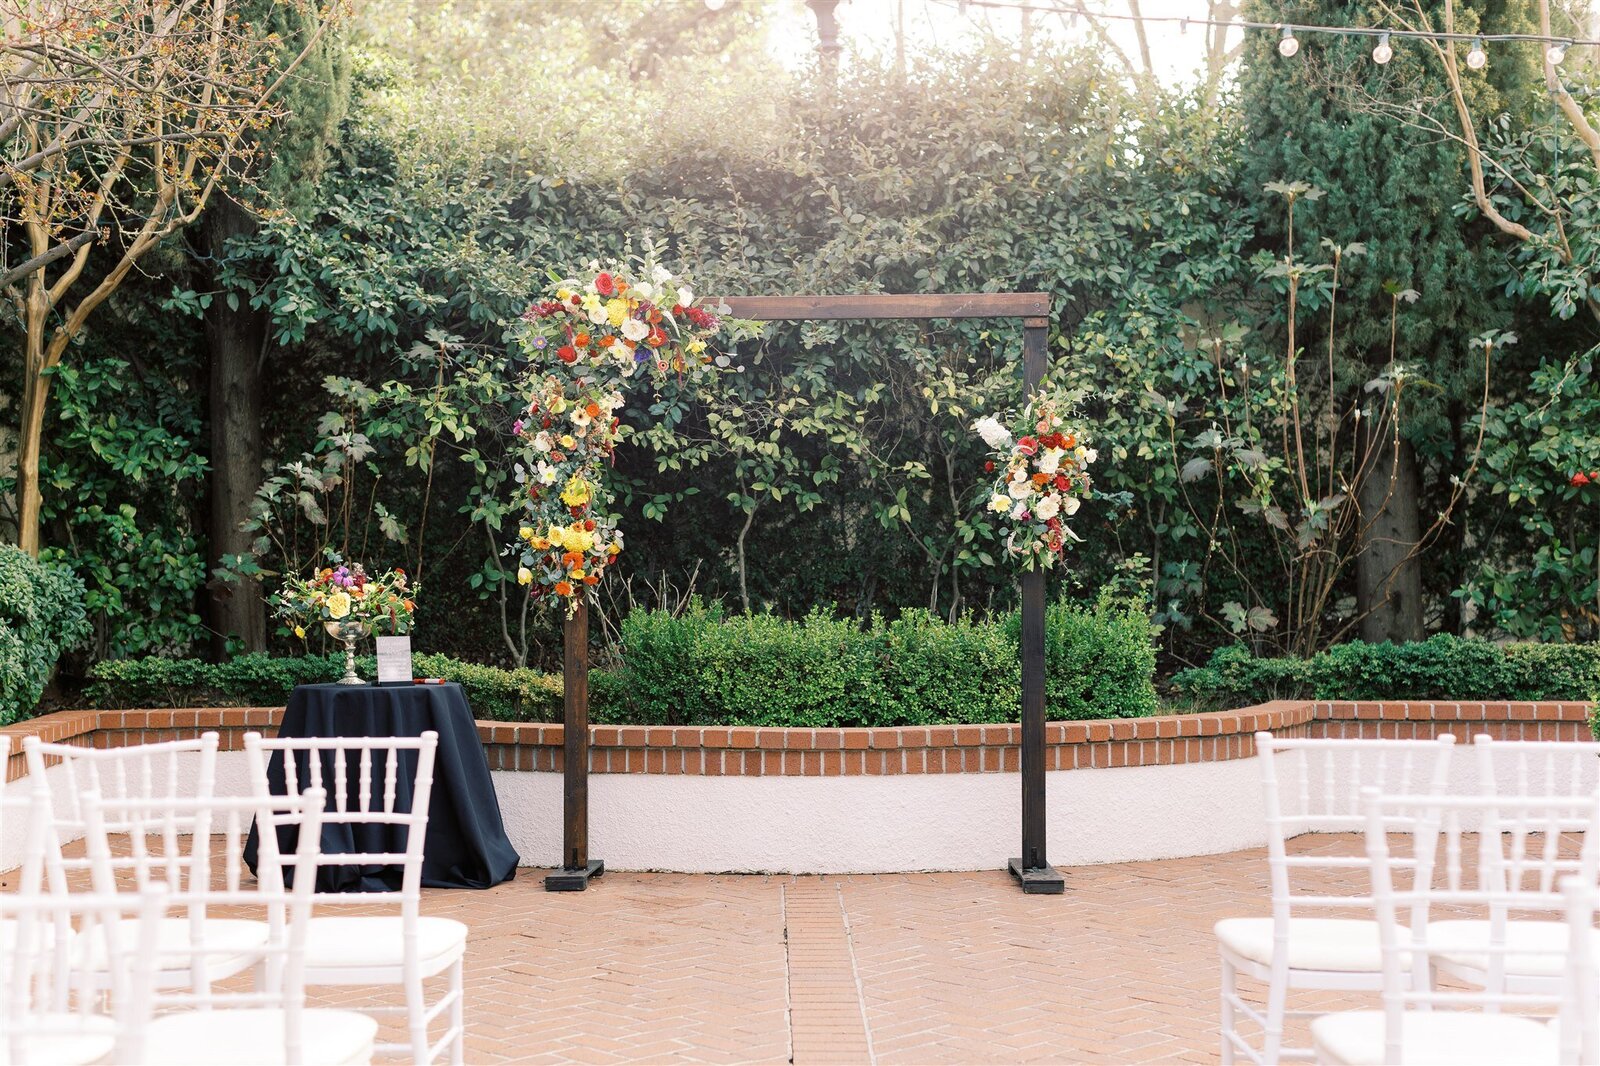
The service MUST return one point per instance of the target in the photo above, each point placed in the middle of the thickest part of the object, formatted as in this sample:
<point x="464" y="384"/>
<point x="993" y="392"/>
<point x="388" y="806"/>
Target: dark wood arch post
<point x="1032" y="868"/>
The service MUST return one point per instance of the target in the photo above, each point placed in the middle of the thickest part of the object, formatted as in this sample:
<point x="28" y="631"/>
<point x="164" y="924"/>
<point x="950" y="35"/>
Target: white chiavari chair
<point x="1425" y="1022"/>
<point x="374" y="792"/>
<point x="1578" y="1022"/>
<point x="62" y="775"/>
<point x="192" y="851"/>
<point x="1310" y="940"/>
<point x="38" y="1025"/>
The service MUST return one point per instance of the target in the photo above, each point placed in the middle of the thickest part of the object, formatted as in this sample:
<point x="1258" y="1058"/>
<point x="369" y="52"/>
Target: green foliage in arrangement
<point x="1441" y="667"/>
<point x="41" y="616"/>
<point x="703" y="669"/>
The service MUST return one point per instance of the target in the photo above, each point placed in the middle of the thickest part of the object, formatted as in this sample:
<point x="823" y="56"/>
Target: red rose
<point x="1027" y="446"/>
<point x="988" y="468"/>
<point x="1062" y="483"/>
<point x="567" y="353"/>
<point x="604" y="285"/>
<point x="588" y="525"/>
<point x="1580" y="479"/>
<point x="677" y="310"/>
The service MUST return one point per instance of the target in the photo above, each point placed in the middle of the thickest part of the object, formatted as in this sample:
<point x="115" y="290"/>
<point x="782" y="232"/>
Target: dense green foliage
<point x="41" y="616"/>
<point x="700" y="668"/>
<point x="1442" y="667"/>
<point x="431" y="175"/>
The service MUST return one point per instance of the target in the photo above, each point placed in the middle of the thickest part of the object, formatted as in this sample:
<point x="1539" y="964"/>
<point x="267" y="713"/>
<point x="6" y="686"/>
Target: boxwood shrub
<point x="1441" y="667"/>
<point x="41" y="616"/>
<point x="701" y="668"/>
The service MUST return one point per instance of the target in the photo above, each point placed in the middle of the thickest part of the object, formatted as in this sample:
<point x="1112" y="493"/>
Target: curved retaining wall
<point x="878" y="800"/>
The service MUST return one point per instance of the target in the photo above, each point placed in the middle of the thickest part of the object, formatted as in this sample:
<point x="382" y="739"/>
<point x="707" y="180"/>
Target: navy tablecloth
<point x="466" y="846"/>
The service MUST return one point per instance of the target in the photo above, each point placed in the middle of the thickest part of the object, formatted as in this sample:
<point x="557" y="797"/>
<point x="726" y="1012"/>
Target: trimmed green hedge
<point x="703" y="669"/>
<point x="265" y="681"/>
<point x="1442" y="667"/>
<point x="41" y="616"/>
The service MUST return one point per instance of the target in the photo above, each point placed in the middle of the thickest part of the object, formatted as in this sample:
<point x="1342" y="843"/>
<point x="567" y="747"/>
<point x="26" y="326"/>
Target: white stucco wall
<point x="880" y="823"/>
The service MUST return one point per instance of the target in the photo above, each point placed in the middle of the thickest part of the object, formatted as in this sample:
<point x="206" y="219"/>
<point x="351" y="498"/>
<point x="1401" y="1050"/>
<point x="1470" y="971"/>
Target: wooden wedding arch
<point x="1032" y="868"/>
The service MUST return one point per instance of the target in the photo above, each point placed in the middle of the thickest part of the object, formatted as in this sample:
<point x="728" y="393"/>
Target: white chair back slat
<point x="1316" y="785"/>
<point x="1578" y="1022"/>
<point x="1537" y="767"/>
<point x="1511" y="885"/>
<point x="303" y="758"/>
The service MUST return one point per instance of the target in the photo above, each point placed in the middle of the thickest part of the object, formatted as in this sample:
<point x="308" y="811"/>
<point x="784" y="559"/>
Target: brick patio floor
<point x="910" y="968"/>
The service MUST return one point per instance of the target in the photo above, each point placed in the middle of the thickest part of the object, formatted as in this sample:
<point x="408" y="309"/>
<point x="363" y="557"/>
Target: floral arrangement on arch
<point x="340" y="592"/>
<point x="595" y="332"/>
<point x="1042" y="462"/>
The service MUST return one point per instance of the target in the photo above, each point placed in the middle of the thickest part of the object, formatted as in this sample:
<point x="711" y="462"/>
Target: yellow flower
<point x="558" y="537"/>
<point x="300" y="631"/>
<point x="576" y="494"/>
<point x="526" y="533"/>
<point x="339" y="605"/>
<point x="695" y="347"/>
<point x="1000" y="503"/>
<point x="568" y="441"/>
<point x="577" y="575"/>
<point x="563" y="295"/>
<point x="616" y="312"/>
<point x="524" y="576"/>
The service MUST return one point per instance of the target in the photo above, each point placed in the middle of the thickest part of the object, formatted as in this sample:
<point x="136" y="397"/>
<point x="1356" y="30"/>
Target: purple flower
<point x="640" y="355"/>
<point x="538" y="342"/>
<point x="516" y="428"/>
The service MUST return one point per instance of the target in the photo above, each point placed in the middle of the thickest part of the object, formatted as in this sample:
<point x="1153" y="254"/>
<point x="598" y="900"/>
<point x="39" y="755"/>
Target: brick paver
<point x="904" y="968"/>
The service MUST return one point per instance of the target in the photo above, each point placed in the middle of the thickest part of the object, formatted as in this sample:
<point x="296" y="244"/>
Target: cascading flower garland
<point x="597" y="329"/>
<point x="1042" y="461"/>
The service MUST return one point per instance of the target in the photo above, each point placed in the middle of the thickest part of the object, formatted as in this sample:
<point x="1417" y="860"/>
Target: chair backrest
<point x="172" y="849"/>
<point x="1518" y="833"/>
<point x="36" y="1023"/>
<point x="1578" y="1022"/>
<point x="1316" y="786"/>
<point x="1537" y="767"/>
<point x="168" y="771"/>
<point x="369" y="781"/>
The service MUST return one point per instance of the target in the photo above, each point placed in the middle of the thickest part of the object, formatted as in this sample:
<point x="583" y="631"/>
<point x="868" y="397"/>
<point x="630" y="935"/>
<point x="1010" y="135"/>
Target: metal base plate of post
<point x="565" y="880"/>
<point x="1037" y="880"/>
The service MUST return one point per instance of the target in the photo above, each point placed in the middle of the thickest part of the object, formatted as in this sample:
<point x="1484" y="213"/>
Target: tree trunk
<point x="30" y="438"/>
<point x="1388" y="574"/>
<point x="236" y="338"/>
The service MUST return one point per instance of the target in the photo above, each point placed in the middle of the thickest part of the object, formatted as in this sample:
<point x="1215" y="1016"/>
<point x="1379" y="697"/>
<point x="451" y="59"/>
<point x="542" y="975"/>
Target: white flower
<point x="660" y="274"/>
<point x="580" y="417"/>
<point x="685" y="296"/>
<point x="1070" y="506"/>
<point x="547" y="474"/>
<point x="1000" y="503"/>
<point x="644" y="290"/>
<point x="1019" y="510"/>
<point x="635" y="329"/>
<point x="541" y="440"/>
<point x="598" y="316"/>
<point x="1048" y="507"/>
<point x="993" y="433"/>
<point x="1020" y="489"/>
<point x="1050" y="460"/>
<point x="1089" y="455"/>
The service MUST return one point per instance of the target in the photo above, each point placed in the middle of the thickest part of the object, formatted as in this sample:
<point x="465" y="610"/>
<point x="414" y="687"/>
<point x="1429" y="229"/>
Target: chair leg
<point x="1277" y="1003"/>
<point x="416" y="1021"/>
<point x="1230" y="988"/>
<point x="458" y="1046"/>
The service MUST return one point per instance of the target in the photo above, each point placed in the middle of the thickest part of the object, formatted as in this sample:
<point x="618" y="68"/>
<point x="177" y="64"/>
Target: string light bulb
<point x="715" y="5"/>
<point x="1383" y="53"/>
<point x="1477" y="59"/>
<point x="1556" y="53"/>
<point x="1287" y="44"/>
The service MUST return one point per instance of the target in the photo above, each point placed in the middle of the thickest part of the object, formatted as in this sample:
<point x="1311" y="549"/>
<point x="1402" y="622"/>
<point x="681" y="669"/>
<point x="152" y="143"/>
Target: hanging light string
<point x="1289" y="44"/>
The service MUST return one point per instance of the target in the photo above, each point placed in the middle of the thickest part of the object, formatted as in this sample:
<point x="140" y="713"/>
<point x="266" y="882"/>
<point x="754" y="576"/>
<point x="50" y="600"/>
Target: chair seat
<point x="1435" y="1038"/>
<point x="79" y="1039"/>
<point x="1536" y="948"/>
<point x="231" y="945"/>
<point x="46" y="932"/>
<point x="256" y="1038"/>
<point x="1345" y="945"/>
<point x="340" y="943"/>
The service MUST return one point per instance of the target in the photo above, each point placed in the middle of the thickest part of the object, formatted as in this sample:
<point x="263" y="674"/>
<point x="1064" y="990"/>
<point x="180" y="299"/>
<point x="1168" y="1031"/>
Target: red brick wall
<point x="921" y="750"/>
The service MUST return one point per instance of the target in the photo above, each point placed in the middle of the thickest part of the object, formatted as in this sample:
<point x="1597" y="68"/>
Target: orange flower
<point x="1040" y="480"/>
<point x="563" y="588"/>
<point x="410" y="606"/>
<point x="591" y="579"/>
<point x="607" y="341"/>
<point x="1070" y="442"/>
<point x="572" y="560"/>
<point x="592" y="410"/>
<point x="581" y="340"/>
